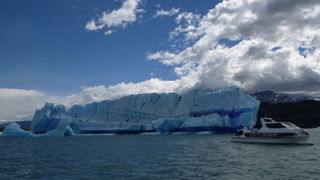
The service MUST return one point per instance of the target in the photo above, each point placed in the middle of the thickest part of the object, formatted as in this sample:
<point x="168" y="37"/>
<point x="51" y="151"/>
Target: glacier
<point x="220" y="110"/>
<point x="62" y="130"/>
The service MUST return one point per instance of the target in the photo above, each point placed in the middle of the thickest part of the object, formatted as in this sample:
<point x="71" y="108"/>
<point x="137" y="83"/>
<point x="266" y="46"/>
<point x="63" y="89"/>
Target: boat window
<point x="267" y="120"/>
<point x="275" y="125"/>
<point x="289" y="124"/>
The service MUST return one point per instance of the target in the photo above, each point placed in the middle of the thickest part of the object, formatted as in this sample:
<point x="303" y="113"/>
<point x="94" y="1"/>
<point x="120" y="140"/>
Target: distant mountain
<point x="299" y="109"/>
<point x="302" y="97"/>
<point x="272" y="97"/>
<point x="305" y="114"/>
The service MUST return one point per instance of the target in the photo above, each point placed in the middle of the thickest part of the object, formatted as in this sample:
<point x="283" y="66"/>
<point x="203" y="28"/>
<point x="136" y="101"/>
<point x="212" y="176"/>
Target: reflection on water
<point x="155" y="157"/>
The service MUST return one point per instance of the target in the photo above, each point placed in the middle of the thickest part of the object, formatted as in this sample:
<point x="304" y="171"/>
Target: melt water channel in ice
<point x="206" y="156"/>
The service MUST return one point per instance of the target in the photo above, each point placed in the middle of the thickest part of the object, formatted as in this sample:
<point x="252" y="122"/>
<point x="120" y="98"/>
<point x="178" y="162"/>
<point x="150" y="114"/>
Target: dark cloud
<point x="257" y="52"/>
<point x="287" y="6"/>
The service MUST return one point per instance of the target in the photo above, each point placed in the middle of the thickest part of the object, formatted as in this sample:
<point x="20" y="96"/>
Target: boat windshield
<point x="267" y="120"/>
<point x="289" y="124"/>
<point x="275" y="125"/>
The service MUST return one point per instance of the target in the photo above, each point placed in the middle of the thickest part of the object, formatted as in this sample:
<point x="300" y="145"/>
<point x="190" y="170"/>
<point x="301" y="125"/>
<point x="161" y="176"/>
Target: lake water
<point x="156" y="157"/>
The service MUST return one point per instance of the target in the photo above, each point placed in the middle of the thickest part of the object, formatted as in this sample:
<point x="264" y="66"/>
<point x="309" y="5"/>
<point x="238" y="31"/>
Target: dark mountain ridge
<point x="273" y="97"/>
<point x="305" y="114"/>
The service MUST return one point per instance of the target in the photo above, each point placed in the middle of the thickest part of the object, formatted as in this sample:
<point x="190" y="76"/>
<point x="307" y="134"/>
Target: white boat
<point x="268" y="131"/>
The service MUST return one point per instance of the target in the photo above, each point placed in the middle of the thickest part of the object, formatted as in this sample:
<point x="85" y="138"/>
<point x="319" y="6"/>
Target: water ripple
<point x="155" y="157"/>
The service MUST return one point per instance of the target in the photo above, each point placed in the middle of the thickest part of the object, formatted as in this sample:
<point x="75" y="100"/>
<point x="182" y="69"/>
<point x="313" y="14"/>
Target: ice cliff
<point x="225" y="109"/>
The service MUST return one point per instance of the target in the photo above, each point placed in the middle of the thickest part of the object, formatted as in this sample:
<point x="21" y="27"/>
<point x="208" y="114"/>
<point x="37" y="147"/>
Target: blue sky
<point x="77" y="52"/>
<point x="45" y="46"/>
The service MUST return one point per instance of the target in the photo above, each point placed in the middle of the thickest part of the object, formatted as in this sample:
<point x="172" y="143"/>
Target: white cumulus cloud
<point x="170" y="12"/>
<point x="109" y="32"/>
<point x="254" y="44"/>
<point x="20" y="104"/>
<point x="127" y="13"/>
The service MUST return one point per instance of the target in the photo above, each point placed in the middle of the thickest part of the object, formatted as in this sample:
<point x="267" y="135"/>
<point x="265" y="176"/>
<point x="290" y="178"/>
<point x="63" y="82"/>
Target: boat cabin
<point x="269" y="123"/>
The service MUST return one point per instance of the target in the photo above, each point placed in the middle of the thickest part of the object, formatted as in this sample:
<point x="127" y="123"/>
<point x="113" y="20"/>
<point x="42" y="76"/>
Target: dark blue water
<point x="155" y="157"/>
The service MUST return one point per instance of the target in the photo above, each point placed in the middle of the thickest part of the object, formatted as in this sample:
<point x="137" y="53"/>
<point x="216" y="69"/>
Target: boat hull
<point x="268" y="140"/>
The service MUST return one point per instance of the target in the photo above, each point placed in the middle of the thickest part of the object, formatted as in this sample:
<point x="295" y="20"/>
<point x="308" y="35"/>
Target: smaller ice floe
<point x="14" y="130"/>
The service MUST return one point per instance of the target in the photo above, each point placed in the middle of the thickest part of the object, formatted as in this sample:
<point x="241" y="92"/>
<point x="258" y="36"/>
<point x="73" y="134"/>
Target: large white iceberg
<point x="225" y="109"/>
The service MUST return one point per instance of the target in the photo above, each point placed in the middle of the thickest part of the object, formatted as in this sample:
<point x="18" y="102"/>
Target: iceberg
<point x="14" y="130"/>
<point x="62" y="130"/>
<point x="222" y="110"/>
<point x="47" y="118"/>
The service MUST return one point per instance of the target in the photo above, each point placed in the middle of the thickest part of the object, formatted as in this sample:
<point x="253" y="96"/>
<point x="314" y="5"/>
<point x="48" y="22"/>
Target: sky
<point x="77" y="52"/>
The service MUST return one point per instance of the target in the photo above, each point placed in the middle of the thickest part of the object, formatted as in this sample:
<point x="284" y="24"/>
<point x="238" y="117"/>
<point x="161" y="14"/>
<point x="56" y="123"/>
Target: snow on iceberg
<point x="14" y="130"/>
<point x="225" y="109"/>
